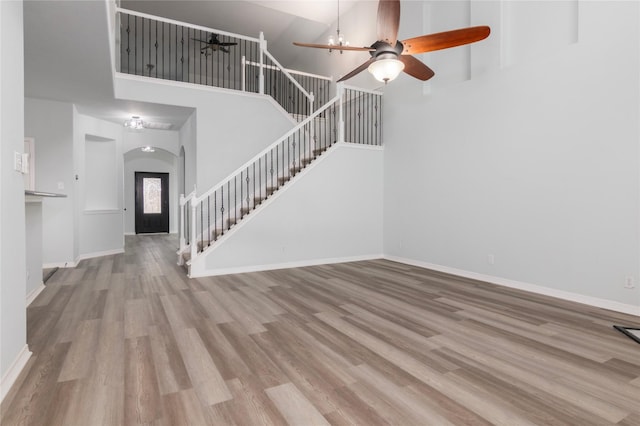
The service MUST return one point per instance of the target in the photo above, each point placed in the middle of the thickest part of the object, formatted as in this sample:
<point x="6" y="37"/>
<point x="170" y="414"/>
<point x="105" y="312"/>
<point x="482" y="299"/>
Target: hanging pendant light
<point x="338" y="40"/>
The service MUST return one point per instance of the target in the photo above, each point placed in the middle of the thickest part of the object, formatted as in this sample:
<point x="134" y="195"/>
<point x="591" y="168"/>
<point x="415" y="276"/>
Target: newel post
<point x="340" y="89"/>
<point x="244" y="73"/>
<point x="194" y="242"/>
<point x="263" y="47"/>
<point x="181" y="226"/>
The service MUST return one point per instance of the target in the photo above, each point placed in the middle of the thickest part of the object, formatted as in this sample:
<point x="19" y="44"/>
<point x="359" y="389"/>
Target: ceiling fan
<point x="214" y="44"/>
<point x="390" y="56"/>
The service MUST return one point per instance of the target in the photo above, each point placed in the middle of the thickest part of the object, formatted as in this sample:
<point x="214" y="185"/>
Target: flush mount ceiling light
<point x="135" y="123"/>
<point x="148" y="149"/>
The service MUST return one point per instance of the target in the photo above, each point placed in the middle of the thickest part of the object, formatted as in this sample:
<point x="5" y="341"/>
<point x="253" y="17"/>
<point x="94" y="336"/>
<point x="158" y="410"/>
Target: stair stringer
<point x="330" y="212"/>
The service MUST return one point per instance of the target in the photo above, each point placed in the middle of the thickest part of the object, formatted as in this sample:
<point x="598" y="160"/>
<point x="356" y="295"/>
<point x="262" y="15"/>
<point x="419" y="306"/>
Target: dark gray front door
<point x="152" y="202"/>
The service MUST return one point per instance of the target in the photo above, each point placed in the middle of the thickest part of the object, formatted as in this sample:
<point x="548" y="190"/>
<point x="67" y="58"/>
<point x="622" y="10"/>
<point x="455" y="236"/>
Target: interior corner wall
<point x="101" y="231"/>
<point x="158" y="162"/>
<point x="187" y="140"/>
<point x="13" y="325"/>
<point x="527" y="173"/>
<point x="50" y="123"/>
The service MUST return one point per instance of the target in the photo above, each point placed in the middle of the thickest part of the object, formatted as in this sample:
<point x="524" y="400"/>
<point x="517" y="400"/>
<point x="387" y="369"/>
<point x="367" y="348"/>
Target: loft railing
<point x="362" y="116"/>
<point x="217" y="210"/>
<point x="285" y="91"/>
<point x="163" y="48"/>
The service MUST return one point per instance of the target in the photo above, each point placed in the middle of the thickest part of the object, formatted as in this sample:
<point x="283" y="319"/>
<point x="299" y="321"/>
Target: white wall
<point x="33" y="241"/>
<point x="159" y="161"/>
<point x="358" y="25"/>
<point x="50" y="123"/>
<point x="315" y="218"/>
<point x="167" y="140"/>
<point x="231" y="127"/>
<point x="97" y="231"/>
<point x="187" y="137"/>
<point x="536" y="164"/>
<point x="13" y="331"/>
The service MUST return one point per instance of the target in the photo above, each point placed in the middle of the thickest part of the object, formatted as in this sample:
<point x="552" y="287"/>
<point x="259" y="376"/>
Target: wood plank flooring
<point x="129" y="339"/>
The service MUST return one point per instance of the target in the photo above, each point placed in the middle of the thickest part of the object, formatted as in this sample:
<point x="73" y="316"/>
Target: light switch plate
<point x="25" y="163"/>
<point x="17" y="161"/>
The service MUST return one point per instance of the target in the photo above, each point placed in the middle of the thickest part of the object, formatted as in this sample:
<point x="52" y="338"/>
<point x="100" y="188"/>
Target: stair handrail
<point x="284" y="71"/>
<point x="184" y="199"/>
<point x="290" y="71"/>
<point x="186" y="24"/>
<point x="198" y="199"/>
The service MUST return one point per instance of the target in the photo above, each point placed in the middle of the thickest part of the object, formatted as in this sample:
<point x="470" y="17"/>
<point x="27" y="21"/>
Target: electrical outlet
<point x="491" y="259"/>
<point x="628" y="283"/>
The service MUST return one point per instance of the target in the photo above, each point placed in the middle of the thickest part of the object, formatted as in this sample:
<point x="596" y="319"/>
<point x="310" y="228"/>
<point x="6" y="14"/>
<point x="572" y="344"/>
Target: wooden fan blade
<point x="357" y="70"/>
<point x="334" y="47"/>
<point x="388" y="21"/>
<point x="416" y="68"/>
<point x="444" y="40"/>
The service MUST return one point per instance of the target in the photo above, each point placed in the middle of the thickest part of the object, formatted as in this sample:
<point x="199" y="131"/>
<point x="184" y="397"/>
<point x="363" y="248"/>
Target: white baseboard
<point x="11" y="375"/>
<point x="533" y="288"/>
<point x="285" y="265"/>
<point x="99" y="254"/>
<point x="34" y="293"/>
<point x="69" y="264"/>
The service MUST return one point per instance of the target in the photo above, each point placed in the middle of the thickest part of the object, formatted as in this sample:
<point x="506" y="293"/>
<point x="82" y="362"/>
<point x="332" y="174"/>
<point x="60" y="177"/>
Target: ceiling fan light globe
<point x="386" y="70"/>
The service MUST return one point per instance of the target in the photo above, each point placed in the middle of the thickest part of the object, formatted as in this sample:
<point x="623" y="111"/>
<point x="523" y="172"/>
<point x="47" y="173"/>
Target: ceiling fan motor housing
<point x="385" y="51"/>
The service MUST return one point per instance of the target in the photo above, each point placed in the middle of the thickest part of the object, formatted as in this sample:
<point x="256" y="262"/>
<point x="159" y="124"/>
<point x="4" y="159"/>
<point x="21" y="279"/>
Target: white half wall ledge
<point x="14" y="371"/>
<point x="532" y="288"/>
<point x="196" y="86"/>
<point x="286" y="265"/>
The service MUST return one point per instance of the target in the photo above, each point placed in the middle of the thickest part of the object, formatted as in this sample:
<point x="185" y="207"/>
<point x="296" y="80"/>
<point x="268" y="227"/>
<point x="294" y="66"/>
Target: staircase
<point x="161" y="48"/>
<point x="353" y="116"/>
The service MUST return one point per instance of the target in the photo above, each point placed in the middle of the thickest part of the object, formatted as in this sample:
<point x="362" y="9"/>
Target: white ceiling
<point x="67" y="46"/>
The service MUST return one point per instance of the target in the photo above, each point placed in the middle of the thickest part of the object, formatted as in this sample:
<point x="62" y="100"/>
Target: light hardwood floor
<point x="129" y="339"/>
